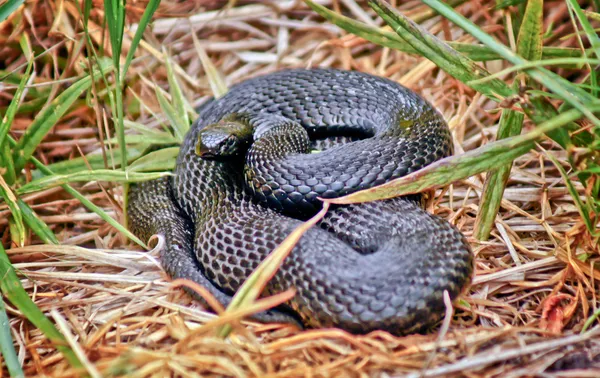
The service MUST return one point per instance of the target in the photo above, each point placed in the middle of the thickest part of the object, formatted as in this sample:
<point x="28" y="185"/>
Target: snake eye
<point x="229" y="145"/>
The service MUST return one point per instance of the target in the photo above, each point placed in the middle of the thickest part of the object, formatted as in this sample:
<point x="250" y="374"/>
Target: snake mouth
<point x="205" y="152"/>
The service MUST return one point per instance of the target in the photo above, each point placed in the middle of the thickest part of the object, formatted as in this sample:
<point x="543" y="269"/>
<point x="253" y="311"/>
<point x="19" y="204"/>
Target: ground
<point x="535" y="284"/>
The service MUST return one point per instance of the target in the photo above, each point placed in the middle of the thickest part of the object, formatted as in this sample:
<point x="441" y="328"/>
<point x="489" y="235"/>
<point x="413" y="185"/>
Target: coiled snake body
<point x="377" y="265"/>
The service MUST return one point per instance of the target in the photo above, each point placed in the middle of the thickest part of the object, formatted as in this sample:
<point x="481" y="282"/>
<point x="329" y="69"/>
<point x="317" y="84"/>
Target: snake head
<point x="229" y="137"/>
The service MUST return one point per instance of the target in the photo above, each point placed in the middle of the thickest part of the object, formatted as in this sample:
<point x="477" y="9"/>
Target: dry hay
<point x="522" y="316"/>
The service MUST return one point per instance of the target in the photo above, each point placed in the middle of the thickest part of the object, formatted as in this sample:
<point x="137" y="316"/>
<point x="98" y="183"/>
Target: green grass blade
<point x="540" y="109"/>
<point x="11" y="200"/>
<point x="8" y="8"/>
<point x="87" y="8"/>
<point x="590" y="321"/>
<point x="147" y="131"/>
<point x="13" y="290"/>
<point x="390" y="39"/>
<point x="529" y="46"/>
<point x="178" y="124"/>
<point x="529" y="40"/>
<point x="581" y="207"/>
<point x="591" y="34"/>
<point x="592" y="38"/>
<point x="46" y="120"/>
<point x="144" y="129"/>
<point x="14" y="104"/>
<point x="493" y="188"/>
<point x="115" y="18"/>
<point x="592" y="15"/>
<point x="446" y="171"/>
<point x="55" y="180"/>
<point x="86" y="202"/>
<point x="178" y="99"/>
<point x="6" y="345"/>
<point x="145" y="139"/>
<point x="37" y="225"/>
<point x="539" y="63"/>
<point x="31" y="106"/>
<point x="161" y="160"/>
<point x="95" y="161"/>
<point x="216" y="81"/>
<point x="570" y="92"/>
<point x="454" y="63"/>
<point x="7" y="165"/>
<point x="146" y="17"/>
<point x="120" y="126"/>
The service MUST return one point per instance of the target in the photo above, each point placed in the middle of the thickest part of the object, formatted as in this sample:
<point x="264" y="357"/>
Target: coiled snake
<point x="377" y="265"/>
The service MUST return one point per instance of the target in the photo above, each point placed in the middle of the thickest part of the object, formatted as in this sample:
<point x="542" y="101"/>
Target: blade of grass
<point x="13" y="290"/>
<point x="587" y="27"/>
<point x="11" y="200"/>
<point x="216" y="81"/>
<point x="255" y="284"/>
<point x="540" y="109"/>
<point x="85" y="202"/>
<point x="179" y="103"/>
<point x="63" y="326"/>
<point x="45" y="120"/>
<point x="7" y="165"/>
<point x="144" y="21"/>
<point x="115" y="16"/>
<point x="589" y="321"/>
<point x="387" y="38"/>
<point x="145" y="130"/>
<point x="593" y="38"/>
<point x="87" y="8"/>
<point x="529" y="40"/>
<point x="448" y="59"/>
<point x="575" y="96"/>
<point x="31" y="106"/>
<point x="55" y="180"/>
<point x="95" y="161"/>
<point x="262" y="304"/>
<point x="446" y="171"/>
<point x="537" y="63"/>
<point x="592" y="15"/>
<point x="37" y="225"/>
<point x="172" y="115"/>
<point x="529" y="46"/>
<point x="6" y="345"/>
<point x="115" y="19"/>
<point x="146" y="139"/>
<point x="163" y="159"/>
<point x="584" y="211"/>
<point x="14" y="104"/>
<point x="8" y="8"/>
<point x="495" y="182"/>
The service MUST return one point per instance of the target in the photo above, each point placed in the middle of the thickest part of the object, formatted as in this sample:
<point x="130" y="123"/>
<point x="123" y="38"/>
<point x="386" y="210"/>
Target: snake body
<point x="377" y="265"/>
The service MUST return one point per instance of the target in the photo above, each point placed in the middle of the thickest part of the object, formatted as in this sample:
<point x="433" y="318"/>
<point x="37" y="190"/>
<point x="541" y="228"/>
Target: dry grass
<point x="521" y="317"/>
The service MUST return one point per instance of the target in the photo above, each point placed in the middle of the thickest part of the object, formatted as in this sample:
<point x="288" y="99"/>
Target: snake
<point x="257" y="163"/>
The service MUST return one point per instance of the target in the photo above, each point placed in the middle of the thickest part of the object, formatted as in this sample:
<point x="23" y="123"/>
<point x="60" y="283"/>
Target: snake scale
<point x="378" y="265"/>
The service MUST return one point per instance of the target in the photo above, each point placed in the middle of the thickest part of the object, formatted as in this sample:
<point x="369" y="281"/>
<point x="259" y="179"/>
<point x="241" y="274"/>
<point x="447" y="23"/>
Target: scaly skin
<point x="378" y="265"/>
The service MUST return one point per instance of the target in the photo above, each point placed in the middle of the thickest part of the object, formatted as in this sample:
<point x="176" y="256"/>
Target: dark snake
<point x="378" y="265"/>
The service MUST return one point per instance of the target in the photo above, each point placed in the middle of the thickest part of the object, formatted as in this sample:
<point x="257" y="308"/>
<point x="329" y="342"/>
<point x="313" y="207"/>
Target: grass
<point x="85" y="113"/>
